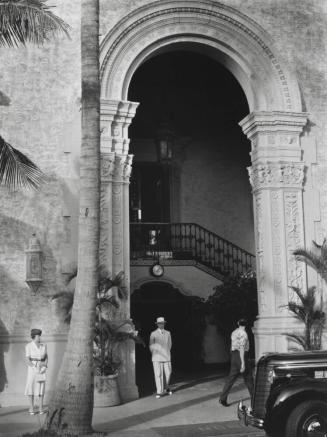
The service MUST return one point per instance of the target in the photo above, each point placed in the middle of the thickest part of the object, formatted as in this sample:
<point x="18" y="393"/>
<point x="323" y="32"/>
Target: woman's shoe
<point x="32" y="412"/>
<point x="42" y="411"/>
<point x="223" y="403"/>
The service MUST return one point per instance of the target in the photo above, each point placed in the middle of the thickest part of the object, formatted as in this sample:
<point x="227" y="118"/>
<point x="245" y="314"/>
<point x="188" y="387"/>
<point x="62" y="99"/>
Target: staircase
<point x="189" y="241"/>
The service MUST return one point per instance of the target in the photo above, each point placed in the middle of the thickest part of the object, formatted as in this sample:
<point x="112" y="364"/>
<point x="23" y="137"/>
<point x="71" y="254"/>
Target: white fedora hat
<point x="160" y="320"/>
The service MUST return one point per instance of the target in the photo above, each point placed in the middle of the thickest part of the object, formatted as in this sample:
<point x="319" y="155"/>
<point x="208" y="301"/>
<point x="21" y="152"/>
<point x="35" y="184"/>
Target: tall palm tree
<point x="23" y="21"/>
<point x="71" y="406"/>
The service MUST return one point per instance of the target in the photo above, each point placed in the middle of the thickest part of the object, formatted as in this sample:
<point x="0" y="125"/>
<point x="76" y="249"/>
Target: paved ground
<point x="192" y="411"/>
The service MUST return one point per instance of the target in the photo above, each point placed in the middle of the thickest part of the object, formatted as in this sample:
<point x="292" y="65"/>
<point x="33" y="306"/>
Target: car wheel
<point x="308" y="419"/>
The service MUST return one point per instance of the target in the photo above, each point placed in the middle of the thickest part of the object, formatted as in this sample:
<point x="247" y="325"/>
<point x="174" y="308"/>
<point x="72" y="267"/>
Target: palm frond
<point x="122" y="292"/>
<point x="71" y="276"/>
<point x="65" y="300"/>
<point x="64" y="294"/>
<point x="318" y="317"/>
<point x="313" y="260"/>
<point x="300" y="339"/>
<point x="108" y="299"/>
<point x="24" y="21"/>
<point x="299" y="293"/>
<point x="118" y="279"/>
<point x="324" y="251"/>
<point x="297" y="310"/>
<point x="16" y="169"/>
<point x="316" y="245"/>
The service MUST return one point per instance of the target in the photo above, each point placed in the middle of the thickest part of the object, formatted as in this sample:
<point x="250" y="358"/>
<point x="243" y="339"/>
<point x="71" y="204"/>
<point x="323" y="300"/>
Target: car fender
<point x="284" y="398"/>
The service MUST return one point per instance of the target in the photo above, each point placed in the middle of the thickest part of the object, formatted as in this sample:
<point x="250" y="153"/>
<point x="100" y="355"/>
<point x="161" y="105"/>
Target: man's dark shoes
<point x="223" y="403"/>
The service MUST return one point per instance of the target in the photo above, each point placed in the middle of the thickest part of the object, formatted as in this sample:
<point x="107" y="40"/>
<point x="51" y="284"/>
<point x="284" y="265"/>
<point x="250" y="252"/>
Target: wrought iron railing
<point x="189" y="241"/>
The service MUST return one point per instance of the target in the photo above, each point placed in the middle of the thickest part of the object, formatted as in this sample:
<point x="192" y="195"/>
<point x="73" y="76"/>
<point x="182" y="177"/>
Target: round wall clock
<point x="157" y="270"/>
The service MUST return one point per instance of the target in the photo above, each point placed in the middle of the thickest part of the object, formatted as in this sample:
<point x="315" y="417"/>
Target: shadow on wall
<point x="19" y="307"/>
<point x="4" y="347"/>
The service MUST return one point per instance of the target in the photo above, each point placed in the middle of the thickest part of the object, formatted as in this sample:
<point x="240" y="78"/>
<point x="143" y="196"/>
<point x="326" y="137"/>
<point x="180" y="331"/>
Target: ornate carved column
<point x="276" y="175"/>
<point x="116" y="116"/>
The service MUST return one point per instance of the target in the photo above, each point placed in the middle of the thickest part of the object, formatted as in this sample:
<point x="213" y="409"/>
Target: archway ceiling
<point x="216" y="30"/>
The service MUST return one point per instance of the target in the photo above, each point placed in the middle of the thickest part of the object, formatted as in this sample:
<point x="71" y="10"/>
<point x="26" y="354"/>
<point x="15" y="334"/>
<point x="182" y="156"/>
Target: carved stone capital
<point x="273" y="122"/>
<point x="116" y="168"/>
<point x="128" y="168"/>
<point x="275" y="136"/>
<point x="276" y="175"/>
<point x="119" y="169"/>
<point x="116" y="117"/>
<point x="107" y="166"/>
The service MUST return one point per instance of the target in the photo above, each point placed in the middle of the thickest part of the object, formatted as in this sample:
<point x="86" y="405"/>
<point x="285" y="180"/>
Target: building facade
<point x="276" y="53"/>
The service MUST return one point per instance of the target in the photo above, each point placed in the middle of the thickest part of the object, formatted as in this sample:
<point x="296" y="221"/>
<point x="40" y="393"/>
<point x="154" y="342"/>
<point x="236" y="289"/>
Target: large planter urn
<point x="106" y="391"/>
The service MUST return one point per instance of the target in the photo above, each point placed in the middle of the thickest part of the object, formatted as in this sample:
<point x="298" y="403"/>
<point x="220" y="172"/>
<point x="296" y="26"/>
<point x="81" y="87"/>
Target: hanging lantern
<point x="164" y="140"/>
<point x="34" y="264"/>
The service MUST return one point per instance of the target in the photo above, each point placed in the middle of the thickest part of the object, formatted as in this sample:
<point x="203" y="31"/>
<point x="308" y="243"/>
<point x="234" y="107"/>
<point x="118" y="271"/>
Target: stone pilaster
<point x="276" y="175"/>
<point x="114" y="242"/>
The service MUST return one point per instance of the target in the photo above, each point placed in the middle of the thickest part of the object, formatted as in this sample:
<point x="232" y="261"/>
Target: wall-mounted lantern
<point x="164" y="139"/>
<point x="34" y="264"/>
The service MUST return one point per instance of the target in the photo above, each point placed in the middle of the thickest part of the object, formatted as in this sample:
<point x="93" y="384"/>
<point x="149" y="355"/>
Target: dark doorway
<point x="149" y="193"/>
<point x="185" y="321"/>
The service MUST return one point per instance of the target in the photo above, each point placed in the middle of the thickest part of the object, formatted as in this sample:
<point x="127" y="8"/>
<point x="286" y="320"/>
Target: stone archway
<point x="274" y="126"/>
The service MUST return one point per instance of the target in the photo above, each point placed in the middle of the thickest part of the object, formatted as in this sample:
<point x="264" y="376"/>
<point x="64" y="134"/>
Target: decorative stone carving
<point x="107" y="166"/>
<point x="294" y="239"/>
<point x="277" y="232"/>
<point x="276" y="175"/>
<point x="261" y="279"/>
<point x="154" y="21"/>
<point x="128" y="168"/>
<point x="119" y="168"/>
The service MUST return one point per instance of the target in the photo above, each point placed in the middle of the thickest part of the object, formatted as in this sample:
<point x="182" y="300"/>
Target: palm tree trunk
<point x="71" y="407"/>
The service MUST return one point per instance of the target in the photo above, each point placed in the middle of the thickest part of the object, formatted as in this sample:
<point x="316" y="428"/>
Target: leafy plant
<point x="316" y="258"/>
<point x="236" y="298"/>
<point x="107" y="334"/>
<point x="306" y="310"/>
<point x="107" y="338"/>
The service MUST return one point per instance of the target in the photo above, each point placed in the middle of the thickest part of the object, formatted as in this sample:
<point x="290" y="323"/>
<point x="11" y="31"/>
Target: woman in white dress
<point x="37" y="362"/>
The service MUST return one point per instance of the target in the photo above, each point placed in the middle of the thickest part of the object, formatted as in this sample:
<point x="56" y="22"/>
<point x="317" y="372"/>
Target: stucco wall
<point x="43" y="121"/>
<point x="215" y="192"/>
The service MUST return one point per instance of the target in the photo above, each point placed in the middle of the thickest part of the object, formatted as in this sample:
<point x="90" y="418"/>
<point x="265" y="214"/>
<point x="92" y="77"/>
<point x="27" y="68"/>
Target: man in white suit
<point x="160" y="346"/>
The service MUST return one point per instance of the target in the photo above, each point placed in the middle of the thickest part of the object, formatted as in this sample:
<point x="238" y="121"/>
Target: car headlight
<point x="271" y="376"/>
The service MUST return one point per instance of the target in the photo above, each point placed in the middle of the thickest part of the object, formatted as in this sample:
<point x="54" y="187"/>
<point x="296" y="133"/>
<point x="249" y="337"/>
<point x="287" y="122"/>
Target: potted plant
<point x="108" y="335"/>
<point x="107" y="340"/>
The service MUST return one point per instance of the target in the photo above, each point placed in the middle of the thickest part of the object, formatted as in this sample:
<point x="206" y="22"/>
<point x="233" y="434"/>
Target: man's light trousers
<point x="162" y="372"/>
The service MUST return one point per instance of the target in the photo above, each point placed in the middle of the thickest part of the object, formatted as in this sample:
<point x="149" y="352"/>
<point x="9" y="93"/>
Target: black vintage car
<point x="290" y="395"/>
